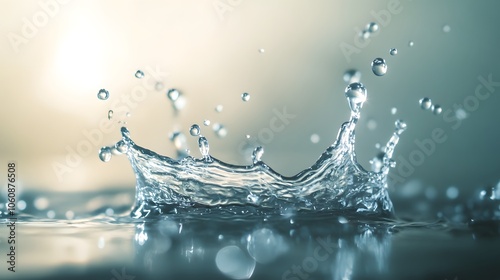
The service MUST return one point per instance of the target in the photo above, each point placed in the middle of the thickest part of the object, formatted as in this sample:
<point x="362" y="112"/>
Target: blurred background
<point x="290" y="56"/>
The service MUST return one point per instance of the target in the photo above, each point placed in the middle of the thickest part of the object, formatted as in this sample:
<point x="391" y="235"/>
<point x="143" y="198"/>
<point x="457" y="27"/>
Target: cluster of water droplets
<point x="426" y="104"/>
<point x="369" y="30"/>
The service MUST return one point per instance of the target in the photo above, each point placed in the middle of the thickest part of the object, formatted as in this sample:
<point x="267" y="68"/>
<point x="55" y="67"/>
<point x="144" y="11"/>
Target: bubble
<point x="234" y="262"/>
<point x="257" y="154"/>
<point x="352" y="76"/>
<point x="110" y="114"/>
<point x="194" y="130"/>
<point x="173" y="94"/>
<point x="411" y="43"/>
<point x="393" y="51"/>
<point x="425" y="103"/>
<point x="379" y="67"/>
<point x="356" y="95"/>
<point x="206" y="122"/>
<point x="105" y="154"/>
<point x="219" y="108"/>
<point x="103" y="94"/>
<point x="139" y="74"/>
<point x="436" y="109"/>
<point x="452" y="192"/>
<point x="204" y="147"/>
<point x="394" y="110"/>
<point x="245" y="96"/>
<point x="159" y="86"/>
<point x="315" y="138"/>
<point x="264" y="245"/>
<point x="446" y="28"/>
<point x="372" y="27"/>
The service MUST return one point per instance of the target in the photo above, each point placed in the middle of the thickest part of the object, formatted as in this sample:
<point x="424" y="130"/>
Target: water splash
<point x="336" y="182"/>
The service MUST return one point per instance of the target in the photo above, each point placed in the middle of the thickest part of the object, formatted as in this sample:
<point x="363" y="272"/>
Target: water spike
<point x="356" y="96"/>
<point x="400" y="127"/>
<point x="204" y="147"/>
<point x="257" y="154"/>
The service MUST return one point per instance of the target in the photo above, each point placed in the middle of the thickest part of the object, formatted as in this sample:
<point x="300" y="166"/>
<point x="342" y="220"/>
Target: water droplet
<point x="121" y="146"/>
<point x="109" y="211"/>
<point x="379" y="67"/>
<point x="204" y="147"/>
<point x="356" y="95"/>
<point x="257" y="154"/>
<point x="110" y="114"/>
<point x="352" y="76"/>
<point x="372" y="27"/>
<point x="139" y="74"/>
<point x="461" y="114"/>
<point x="436" y="109"/>
<point x="219" y="130"/>
<point x="159" y="86"/>
<point x="245" y="96"/>
<point x="173" y="94"/>
<point x="411" y="43"/>
<point x="446" y="28"/>
<point x="343" y="220"/>
<point x="179" y="141"/>
<point x="371" y="124"/>
<point x="21" y="205"/>
<point x="394" y="110"/>
<point x="393" y="51"/>
<point x="452" y="192"/>
<point x="103" y="94"/>
<point x="69" y="215"/>
<point x="219" y="108"/>
<point x="262" y="50"/>
<point x="51" y="214"/>
<point x="105" y="154"/>
<point x="206" y="122"/>
<point x="314" y="138"/>
<point x="425" y="103"/>
<point x="400" y="126"/>
<point x="194" y="130"/>
<point x="128" y="114"/>
<point x="365" y="34"/>
<point x="247" y="136"/>
<point x="41" y="203"/>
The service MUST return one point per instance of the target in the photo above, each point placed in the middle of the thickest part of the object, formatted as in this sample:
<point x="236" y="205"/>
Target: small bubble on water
<point x="394" y="110"/>
<point x="194" y="130"/>
<point x="173" y="94"/>
<point x="159" y="86"/>
<point x="103" y="94"/>
<point x="315" y="138"/>
<point x="257" y="154"/>
<point x="352" y="76"/>
<point x="356" y="95"/>
<point x="446" y="28"/>
<point x="139" y="74"/>
<point x="372" y="27"/>
<point x="206" y="122"/>
<point x="204" y="147"/>
<point x="219" y="108"/>
<point x="436" y="109"/>
<point x="379" y="67"/>
<point x="105" y="154"/>
<point x="452" y="192"/>
<point x="245" y="96"/>
<point x="411" y="43"/>
<point x="425" y="103"/>
<point x="110" y="114"/>
<point x="393" y="51"/>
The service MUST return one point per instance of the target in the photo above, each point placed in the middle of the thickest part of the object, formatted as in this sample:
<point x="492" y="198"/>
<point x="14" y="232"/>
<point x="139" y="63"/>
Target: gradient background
<point x="50" y="81"/>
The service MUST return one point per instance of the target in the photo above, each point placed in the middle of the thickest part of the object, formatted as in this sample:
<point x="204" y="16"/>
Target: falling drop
<point x="245" y="96"/>
<point x="411" y="43"/>
<point x="219" y="108"/>
<point x="173" y="94"/>
<point x="139" y="74"/>
<point x="394" y="110"/>
<point x="110" y="114"/>
<point x="314" y="138"/>
<point x="436" y="109"/>
<point x="379" y="67"/>
<point x="425" y="103"/>
<point x="400" y="126"/>
<point x="194" y="130"/>
<point x="446" y="28"/>
<point x="206" y="122"/>
<point x="372" y="27"/>
<point x="393" y="51"/>
<point x="356" y="95"/>
<point x="204" y="148"/>
<point x="103" y="94"/>
<point x="257" y="154"/>
<point x="352" y="76"/>
<point x="105" y="154"/>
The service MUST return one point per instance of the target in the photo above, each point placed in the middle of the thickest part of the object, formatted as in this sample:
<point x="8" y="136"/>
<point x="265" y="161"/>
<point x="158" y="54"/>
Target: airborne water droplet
<point x="379" y="67"/>
<point x="356" y="95"/>
<point x="139" y="74"/>
<point x="393" y="51"/>
<point x="394" y="110"/>
<point x="257" y="154"/>
<point x="194" y="130"/>
<point x="372" y="27"/>
<point x="103" y="94"/>
<point x="352" y="76"/>
<point x="105" y="154"/>
<point x="411" y="43"/>
<point x="400" y="126"/>
<point x="436" y="109"/>
<point x="110" y="114"/>
<point x="173" y="94"/>
<point x="206" y="122"/>
<point x="204" y="148"/>
<point x="245" y="96"/>
<point x="219" y="108"/>
<point x="315" y="138"/>
<point x="262" y="50"/>
<point x="446" y="28"/>
<point x="159" y="86"/>
<point x="425" y="103"/>
<point x="219" y="130"/>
